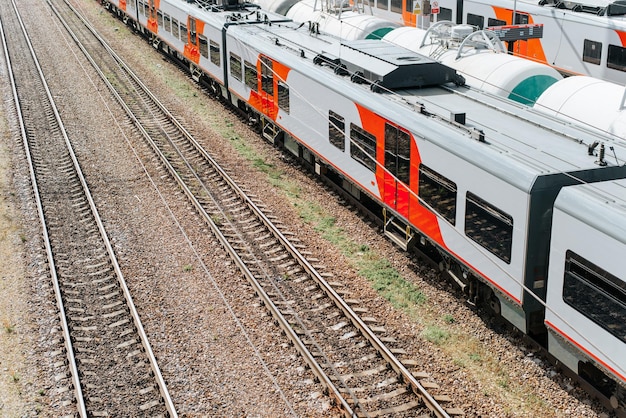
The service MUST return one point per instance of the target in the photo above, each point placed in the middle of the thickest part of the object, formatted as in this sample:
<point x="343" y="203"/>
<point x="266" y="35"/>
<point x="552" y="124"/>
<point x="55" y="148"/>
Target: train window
<point x="183" y="32"/>
<point x="438" y="192"/>
<point x="336" y="130"/>
<point x="141" y="7"/>
<point x="398" y="152"/>
<point x="363" y="146"/>
<point x="160" y="19"/>
<point x="382" y="4"/>
<point x="235" y="66"/>
<point x="595" y="293"/>
<point x="215" y="53"/>
<point x="521" y="19"/>
<point x="267" y="76"/>
<point x="175" y="28"/>
<point x="204" y="48"/>
<point x="495" y="22"/>
<point x="444" y="14"/>
<point x="592" y="51"/>
<point x="396" y="6"/>
<point x="476" y="20"/>
<point x="167" y="23"/>
<point x="283" y="96"/>
<point x="192" y="31"/>
<point x="489" y="227"/>
<point x="616" y="58"/>
<point x="251" y="75"/>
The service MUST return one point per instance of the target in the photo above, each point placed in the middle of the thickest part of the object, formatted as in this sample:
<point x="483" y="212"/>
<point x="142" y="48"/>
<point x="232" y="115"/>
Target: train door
<point x="192" y="51"/>
<point x="267" y="88"/>
<point x="397" y="169"/>
<point x="153" y="7"/>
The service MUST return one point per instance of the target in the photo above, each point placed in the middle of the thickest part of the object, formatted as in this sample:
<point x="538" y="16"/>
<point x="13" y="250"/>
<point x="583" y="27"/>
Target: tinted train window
<point x="476" y="20"/>
<point x="489" y="227"/>
<point x="235" y="66"/>
<point x="183" y="33"/>
<point x="382" y="4"/>
<point x="167" y="23"/>
<point x="215" y="53"/>
<point x="396" y="6"/>
<point x="251" y="75"/>
<point x="363" y="146"/>
<point x="444" y="14"/>
<point x="495" y="22"/>
<point x="592" y="51"/>
<point x="595" y="293"/>
<point x="438" y="193"/>
<point x="204" y="48"/>
<point x="160" y="18"/>
<point x="192" y="31"/>
<point x="175" y="29"/>
<point x="283" y="96"/>
<point x="141" y="8"/>
<point x="398" y="152"/>
<point x="336" y="130"/>
<point x="521" y="19"/>
<point x="616" y="58"/>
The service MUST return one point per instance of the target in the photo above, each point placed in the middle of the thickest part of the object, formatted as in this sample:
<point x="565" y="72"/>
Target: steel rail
<point x="82" y="411"/>
<point x="137" y="321"/>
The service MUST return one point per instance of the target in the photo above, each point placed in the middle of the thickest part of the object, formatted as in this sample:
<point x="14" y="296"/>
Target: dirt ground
<point x="17" y="393"/>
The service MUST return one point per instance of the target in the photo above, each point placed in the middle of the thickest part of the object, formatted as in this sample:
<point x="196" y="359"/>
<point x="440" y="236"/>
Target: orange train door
<point x="397" y="169"/>
<point x="267" y="86"/>
<point x="192" y="49"/>
<point x="153" y="7"/>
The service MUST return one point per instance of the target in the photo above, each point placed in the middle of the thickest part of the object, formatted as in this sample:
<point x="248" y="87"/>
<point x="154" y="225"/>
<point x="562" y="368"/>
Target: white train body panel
<point x="590" y="224"/>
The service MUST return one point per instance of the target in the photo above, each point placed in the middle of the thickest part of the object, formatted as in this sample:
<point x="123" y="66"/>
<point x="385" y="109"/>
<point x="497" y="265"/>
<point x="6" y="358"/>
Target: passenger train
<point x="526" y="213"/>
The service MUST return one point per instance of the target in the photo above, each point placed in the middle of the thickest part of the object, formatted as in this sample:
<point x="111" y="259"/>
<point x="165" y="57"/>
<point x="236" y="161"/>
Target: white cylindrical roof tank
<point x="588" y="101"/>
<point x="276" y="6"/>
<point x="406" y="37"/>
<point x="505" y="75"/>
<point x="518" y="79"/>
<point x="352" y="25"/>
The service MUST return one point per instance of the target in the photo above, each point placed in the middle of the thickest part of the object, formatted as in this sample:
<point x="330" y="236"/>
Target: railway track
<point x="105" y="366"/>
<point x="354" y="361"/>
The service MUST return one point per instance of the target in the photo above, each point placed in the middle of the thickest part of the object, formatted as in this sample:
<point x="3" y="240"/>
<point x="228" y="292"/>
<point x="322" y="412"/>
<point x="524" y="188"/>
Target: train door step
<point x="196" y="73"/>
<point x="270" y="131"/>
<point x="399" y="233"/>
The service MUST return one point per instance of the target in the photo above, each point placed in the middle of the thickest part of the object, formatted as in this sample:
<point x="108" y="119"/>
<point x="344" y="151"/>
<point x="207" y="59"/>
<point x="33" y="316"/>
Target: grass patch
<point x="8" y="326"/>
<point x="187" y="267"/>
<point x="435" y="334"/>
<point x="387" y="281"/>
<point x="448" y="319"/>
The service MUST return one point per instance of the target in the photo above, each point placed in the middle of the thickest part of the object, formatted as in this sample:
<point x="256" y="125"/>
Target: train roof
<point x="592" y="11"/>
<point x="512" y="141"/>
<point x="601" y="205"/>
